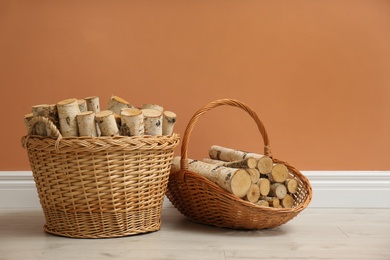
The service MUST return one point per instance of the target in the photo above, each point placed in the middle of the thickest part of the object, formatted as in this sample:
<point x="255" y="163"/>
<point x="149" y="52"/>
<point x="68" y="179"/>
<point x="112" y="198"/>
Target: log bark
<point x="40" y="127"/>
<point x="279" y="173"/>
<point x="291" y="185"/>
<point x="86" y="124"/>
<point x="212" y="161"/>
<point x="253" y="193"/>
<point x="115" y="104"/>
<point x="82" y="105"/>
<point x="132" y="122"/>
<point x="235" y="181"/>
<point x="287" y="201"/>
<point x="153" y="106"/>
<point x="264" y="186"/>
<point x="248" y="163"/>
<point x="227" y="154"/>
<point x="169" y="120"/>
<point x="67" y="112"/>
<point x="278" y="190"/>
<point x="27" y="119"/>
<point x="48" y="111"/>
<point x="93" y="104"/>
<point x="152" y="122"/>
<point x="107" y="123"/>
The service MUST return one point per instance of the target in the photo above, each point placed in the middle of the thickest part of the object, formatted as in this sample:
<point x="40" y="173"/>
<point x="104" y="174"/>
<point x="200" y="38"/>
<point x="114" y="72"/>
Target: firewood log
<point x="236" y="181"/>
<point x="67" y="112"/>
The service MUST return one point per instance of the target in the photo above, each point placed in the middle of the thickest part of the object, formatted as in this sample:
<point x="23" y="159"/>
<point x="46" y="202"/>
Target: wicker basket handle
<point x="214" y="104"/>
<point x="55" y="132"/>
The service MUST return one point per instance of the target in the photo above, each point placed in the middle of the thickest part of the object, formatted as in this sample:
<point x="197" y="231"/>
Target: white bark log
<point x="291" y="185"/>
<point x="236" y="181"/>
<point x="115" y="104"/>
<point x="228" y="154"/>
<point x="82" y="105"/>
<point x="253" y="193"/>
<point x="287" y="201"/>
<point x="152" y="122"/>
<point x="132" y="121"/>
<point x="93" y="104"/>
<point x="40" y="127"/>
<point x="169" y="120"/>
<point x="48" y="111"/>
<point x="279" y="173"/>
<point x="264" y="186"/>
<point x="86" y="124"/>
<point x="278" y="190"/>
<point x="27" y="119"/>
<point x="153" y="106"/>
<point x="67" y="112"/>
<point x="107" y="123"/>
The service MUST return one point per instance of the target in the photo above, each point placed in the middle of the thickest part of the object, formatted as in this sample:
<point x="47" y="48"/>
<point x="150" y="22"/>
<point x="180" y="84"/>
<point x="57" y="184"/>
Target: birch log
<point x="82" y="105"/>
<point x="169" y="120"/>
<point x="227" y="154"/>
<point x="247" y="163"/>
<point x="27" y="119"/>
<point x="279" y="173"/>
<point x="67" y="112"/>
<point x="152" y="122"/>
<point x="115" y="104"/>
<point x="93" y="104"/>
<point x="132" y="122"/>
<point x="153" y="106"/>
<point x="291" y="185"/>
<point x="263" y="203"/>
<point x="254" y="173"/>
<point x="107" y="123"/>
<point x="264" y="186"/>
<point x="236" y="181"/>
<point x="278" y="190"/>
<point x="86" y="124"/>
<point x="253" y="193"/>
<point x="287" y="201"/>
<point x="40" y="127"/>
<point x="272" y="201"/>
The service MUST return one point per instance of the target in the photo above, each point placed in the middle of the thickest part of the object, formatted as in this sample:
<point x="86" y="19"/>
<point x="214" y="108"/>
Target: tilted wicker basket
<point x="204" y="202"/>
<point x="94" y="187"/>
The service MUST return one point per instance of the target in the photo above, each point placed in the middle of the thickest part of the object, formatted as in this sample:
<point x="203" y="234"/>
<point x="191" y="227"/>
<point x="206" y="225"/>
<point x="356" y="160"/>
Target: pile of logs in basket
<point x="83" y="117"/>
<point x="250" y="176"/>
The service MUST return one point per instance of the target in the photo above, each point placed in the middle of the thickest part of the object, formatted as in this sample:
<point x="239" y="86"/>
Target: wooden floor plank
<point x="313" y="234"/>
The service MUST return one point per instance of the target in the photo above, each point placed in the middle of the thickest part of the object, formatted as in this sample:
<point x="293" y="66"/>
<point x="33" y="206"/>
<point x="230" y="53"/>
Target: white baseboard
<point x="334" y="189"/>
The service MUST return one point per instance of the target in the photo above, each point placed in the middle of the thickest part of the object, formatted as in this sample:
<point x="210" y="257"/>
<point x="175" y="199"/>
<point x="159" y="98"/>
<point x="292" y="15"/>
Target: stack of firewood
<point x="250" y="176"/>
<point x="83" y="117"/>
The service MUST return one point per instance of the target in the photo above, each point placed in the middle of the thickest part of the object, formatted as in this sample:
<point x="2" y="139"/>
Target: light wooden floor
<point x="314" y="234"/>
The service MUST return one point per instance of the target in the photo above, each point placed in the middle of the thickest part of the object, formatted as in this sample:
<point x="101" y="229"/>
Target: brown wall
<point x="316" y="72"/>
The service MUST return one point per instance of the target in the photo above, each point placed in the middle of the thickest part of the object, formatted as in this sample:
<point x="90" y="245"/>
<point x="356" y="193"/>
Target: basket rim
<point x="106" y="143"/>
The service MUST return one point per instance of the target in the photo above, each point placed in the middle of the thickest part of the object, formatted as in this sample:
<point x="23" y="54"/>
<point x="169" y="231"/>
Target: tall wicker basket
<point x="100" y="187"/>
<point x="205" y="202"/>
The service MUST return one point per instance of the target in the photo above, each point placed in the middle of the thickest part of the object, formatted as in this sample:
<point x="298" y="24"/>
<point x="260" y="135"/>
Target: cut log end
<point x="265" y="164"/>
<point x="253" y="193"/>
<point x="240" y="183"/>
<point x="279" y="173"/>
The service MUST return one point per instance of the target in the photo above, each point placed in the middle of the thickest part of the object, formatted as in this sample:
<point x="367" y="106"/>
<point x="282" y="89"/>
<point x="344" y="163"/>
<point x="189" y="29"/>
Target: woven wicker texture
<point x="205" y="202"/>
<point x="100" y="187"/>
